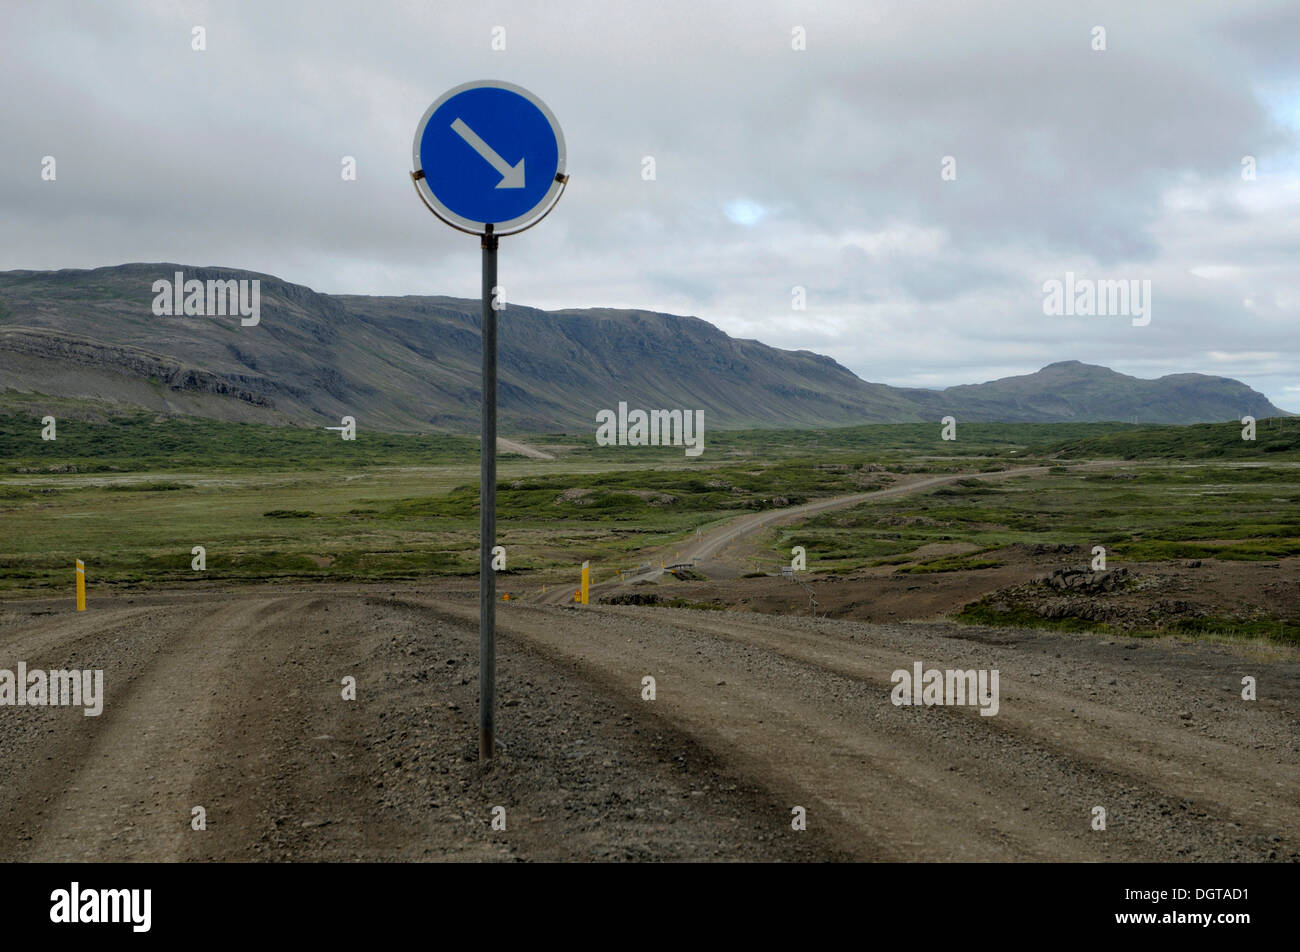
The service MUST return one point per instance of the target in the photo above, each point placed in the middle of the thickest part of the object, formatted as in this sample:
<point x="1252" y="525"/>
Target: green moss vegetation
<point x="1277" y="438"/>
<point x="987" y="611"/>
<point x="137" y="442"/>
<point x="1213" y="510"/>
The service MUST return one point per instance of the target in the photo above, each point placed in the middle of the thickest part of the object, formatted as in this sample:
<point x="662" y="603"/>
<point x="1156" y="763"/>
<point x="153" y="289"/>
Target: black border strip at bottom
<point x="649" y="902"/>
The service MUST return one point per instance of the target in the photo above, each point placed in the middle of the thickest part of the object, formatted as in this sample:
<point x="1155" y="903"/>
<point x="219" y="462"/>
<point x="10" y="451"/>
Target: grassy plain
<point x="131" y="495"/>
<point x="1141" y="513"/>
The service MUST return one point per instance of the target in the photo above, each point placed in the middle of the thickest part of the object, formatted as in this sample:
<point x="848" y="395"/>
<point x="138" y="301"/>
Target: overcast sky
<point x="775" y="167"/>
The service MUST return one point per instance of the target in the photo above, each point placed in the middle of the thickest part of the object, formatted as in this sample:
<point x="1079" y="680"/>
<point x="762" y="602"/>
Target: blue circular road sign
<point x="489" y="153"/>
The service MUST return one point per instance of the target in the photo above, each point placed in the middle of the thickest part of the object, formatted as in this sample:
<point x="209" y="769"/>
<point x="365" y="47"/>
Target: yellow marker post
<point x="586" y="580"/>
<point x="81" y="585"/>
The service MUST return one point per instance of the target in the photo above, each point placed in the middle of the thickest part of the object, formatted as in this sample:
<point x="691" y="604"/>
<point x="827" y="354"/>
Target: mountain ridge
<point x="411" y="362"/>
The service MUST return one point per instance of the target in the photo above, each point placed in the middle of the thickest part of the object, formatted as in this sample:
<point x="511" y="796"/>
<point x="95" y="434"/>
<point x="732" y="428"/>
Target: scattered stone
<point x="1084" y="581"/>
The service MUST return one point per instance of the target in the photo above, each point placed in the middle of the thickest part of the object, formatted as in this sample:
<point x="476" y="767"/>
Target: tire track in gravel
<point x="40" y="747"/>
<point x="795" y="743"/>
<point x="128" y="776"/>
<point x="232" y="702"/>
<point x="1157" y="752"/>
<point x="742" y="819"/>
<point x="810" y="717"/>
<point x="30" y="640"/>
<point x="288" y="774"/>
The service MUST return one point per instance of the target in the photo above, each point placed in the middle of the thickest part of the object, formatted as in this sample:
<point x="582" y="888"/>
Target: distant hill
<point x="1074" y="391"/>
<point x="412" y="363"/>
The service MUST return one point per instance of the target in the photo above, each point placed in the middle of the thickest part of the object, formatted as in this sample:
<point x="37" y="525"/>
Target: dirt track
<point x="231" y="700"/>
<point x="707" y="548"/>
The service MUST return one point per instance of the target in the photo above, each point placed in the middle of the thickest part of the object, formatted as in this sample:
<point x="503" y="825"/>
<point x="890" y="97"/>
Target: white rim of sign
<point x="531" y="216"/>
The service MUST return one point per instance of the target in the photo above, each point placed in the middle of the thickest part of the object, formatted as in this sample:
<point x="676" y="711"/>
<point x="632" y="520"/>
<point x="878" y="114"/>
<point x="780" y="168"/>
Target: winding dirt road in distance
<point x="705" y="549"/>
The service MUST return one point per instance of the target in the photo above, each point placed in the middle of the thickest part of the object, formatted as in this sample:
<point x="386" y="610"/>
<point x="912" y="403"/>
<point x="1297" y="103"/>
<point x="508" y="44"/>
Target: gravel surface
<point x="231" y="700"/>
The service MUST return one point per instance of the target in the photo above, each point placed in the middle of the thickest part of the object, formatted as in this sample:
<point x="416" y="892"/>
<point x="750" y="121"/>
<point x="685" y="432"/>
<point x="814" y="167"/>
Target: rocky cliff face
<point x="47" y="347"/>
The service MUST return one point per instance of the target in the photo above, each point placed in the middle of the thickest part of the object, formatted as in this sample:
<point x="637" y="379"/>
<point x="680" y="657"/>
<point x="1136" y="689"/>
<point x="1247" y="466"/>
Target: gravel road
<point x="232" y="700"/>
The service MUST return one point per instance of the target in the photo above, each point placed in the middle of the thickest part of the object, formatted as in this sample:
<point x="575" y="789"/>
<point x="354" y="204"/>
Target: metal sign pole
<point x="487" y="501"/>
<point x="489" y="161"/>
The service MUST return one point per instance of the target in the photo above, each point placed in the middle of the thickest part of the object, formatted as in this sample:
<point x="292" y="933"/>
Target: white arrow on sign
<point x="510" y="177"/>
